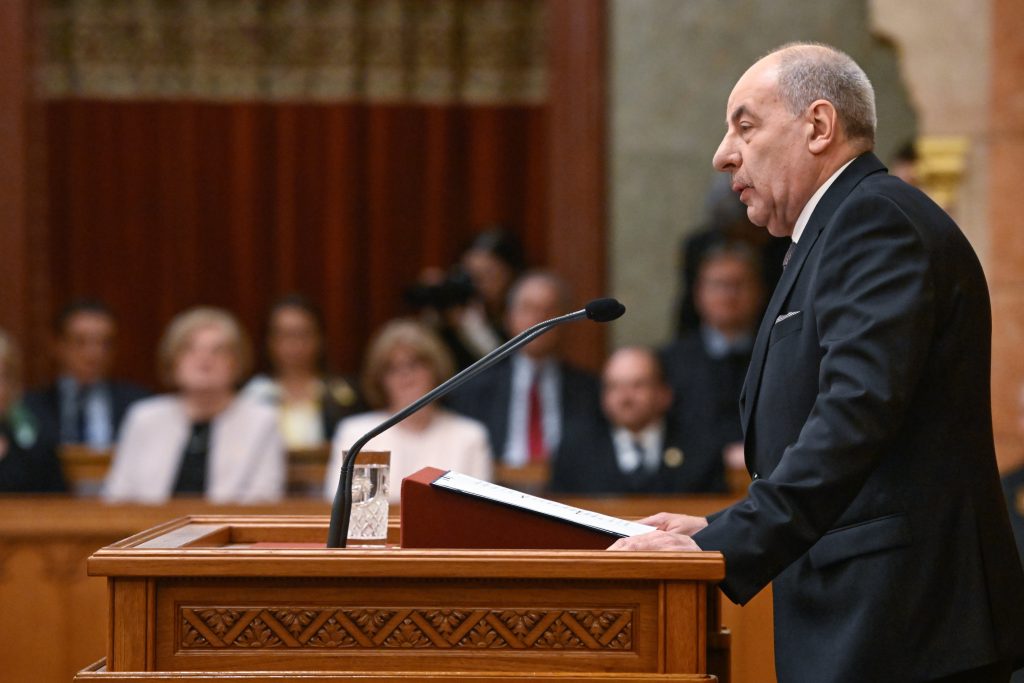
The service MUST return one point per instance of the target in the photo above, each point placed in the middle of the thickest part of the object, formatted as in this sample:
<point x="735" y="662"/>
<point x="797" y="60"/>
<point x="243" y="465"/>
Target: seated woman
<point x="28" y="460"/>
<point x="405" y="361"/>
<point x="204" y="440"/>
<point x="310" y="405"/>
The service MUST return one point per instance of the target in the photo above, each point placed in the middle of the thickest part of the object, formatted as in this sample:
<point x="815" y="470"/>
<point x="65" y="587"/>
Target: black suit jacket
<point x="45" y="406"/>
<point x="486" y="398"/>
<point x="706" y="392"/>
<point x="589" y="465"/>
<point x="876" y="507"/>
<point x="31" y="467"/>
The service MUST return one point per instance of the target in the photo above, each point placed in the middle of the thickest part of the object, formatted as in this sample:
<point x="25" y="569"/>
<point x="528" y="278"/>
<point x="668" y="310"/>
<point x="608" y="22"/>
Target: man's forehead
<point x="754" y="90"/>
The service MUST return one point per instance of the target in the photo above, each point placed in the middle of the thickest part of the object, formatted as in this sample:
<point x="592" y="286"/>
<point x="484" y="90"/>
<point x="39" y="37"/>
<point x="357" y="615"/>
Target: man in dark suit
<point x="84" y="405"/>
<point x="533" y="403"/>
<point x="641" y="449"/>
<point x="705" y="367"/>
<point x="875" y="509"/>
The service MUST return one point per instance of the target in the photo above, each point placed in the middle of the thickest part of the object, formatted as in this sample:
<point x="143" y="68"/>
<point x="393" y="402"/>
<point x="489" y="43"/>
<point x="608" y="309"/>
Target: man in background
<point x="706" y="366"/>
<point x="641" y="449"/>
<point x="535" y="402"/>
<point x="84" y="405"/>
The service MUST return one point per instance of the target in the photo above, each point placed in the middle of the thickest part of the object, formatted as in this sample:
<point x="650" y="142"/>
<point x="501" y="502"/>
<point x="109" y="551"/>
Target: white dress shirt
<point x="517" y="450"/>
<point x="650" y="439"/>
<point x="812" y="203"/>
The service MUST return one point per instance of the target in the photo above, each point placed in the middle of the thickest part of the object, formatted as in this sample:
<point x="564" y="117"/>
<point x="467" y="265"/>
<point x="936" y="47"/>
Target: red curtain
<point x="158" y="206"/>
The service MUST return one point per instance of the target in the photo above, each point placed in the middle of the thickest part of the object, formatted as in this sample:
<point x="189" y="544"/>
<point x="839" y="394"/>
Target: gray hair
<point x="815" y="71"/>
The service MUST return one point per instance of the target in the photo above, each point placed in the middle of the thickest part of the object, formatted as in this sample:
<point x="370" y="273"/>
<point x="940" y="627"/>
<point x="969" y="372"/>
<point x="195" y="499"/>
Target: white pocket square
<point x="786" y="315"/>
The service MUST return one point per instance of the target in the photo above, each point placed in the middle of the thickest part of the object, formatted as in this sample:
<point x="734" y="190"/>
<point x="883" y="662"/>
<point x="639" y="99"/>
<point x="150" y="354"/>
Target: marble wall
<point x="672" y="65"/>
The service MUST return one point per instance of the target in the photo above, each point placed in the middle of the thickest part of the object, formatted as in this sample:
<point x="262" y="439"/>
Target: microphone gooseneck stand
<point x="599" y="310"/>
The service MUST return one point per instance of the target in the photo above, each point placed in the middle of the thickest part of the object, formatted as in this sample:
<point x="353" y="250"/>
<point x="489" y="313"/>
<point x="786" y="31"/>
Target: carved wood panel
<point x="205" y="628"/>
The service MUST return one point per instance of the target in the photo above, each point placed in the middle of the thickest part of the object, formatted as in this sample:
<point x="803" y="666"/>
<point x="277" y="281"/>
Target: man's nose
<point x="726" y="158"/>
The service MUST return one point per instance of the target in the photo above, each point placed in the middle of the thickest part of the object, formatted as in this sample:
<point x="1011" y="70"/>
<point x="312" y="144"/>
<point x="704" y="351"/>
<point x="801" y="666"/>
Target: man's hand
<point x="686" y="525"/>
<point x="655" y="540"/>
<point x="673" y="533"/>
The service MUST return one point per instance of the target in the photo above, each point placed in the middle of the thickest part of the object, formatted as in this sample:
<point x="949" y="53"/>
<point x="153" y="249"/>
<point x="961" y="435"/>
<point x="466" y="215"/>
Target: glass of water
<point x="368" y="524"/>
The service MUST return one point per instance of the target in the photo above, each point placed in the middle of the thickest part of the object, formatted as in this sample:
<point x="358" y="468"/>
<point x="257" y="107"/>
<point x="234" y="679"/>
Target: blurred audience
<point x="706" y="367"/>
<point x="493" y="261"/>
<point x="204" y="439"/>
<point x="465" y="305"/>
<point x="640" y="450"/>
<point x="28" y="458"/>
<point x="405" y="360"/>
<point x="448" y="303"/>
<point x="726" y="222"/>
<point x="310" y="404"/>
<point x="84" y="405"/>
<point x="534" y="402"/>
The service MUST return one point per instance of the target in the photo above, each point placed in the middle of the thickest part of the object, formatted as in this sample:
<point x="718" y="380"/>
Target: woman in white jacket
<point x="204" y="440"/>
<point x="406" y="360"/>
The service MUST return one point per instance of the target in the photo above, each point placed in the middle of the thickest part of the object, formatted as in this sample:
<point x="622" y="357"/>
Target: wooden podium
<point x="258" y="598"/>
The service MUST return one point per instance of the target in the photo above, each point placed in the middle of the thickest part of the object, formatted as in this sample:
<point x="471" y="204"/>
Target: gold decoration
<point x="674" y="457"/>
<point x="342" y="392"/>
<point x="384" y="629"/>
<point x="422" y="51"/>
<point x="940" y="167"/>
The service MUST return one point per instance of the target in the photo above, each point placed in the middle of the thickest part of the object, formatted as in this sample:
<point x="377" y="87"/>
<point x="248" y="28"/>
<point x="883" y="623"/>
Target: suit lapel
<point x="500" y="408"/>
<point x="836" y="194"/>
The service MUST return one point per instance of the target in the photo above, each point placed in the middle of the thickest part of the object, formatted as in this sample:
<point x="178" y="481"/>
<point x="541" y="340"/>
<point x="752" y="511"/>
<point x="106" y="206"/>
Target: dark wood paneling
<point x="24" y="276"/>
<point x="577" y="213"/>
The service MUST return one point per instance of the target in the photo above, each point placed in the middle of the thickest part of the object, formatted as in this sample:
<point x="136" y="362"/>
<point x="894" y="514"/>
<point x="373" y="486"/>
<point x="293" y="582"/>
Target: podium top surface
<point x="292" y="546"/>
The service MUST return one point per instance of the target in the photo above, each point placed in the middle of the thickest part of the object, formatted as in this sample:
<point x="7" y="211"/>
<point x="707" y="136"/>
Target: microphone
<point x="598" y="310"/>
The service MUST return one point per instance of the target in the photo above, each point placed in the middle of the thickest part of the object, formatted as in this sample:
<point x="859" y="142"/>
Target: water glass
<point x="368" y="524"/>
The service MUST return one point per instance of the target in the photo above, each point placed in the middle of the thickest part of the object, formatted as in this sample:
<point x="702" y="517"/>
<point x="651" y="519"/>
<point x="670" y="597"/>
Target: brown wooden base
<point x="98" y="672"/>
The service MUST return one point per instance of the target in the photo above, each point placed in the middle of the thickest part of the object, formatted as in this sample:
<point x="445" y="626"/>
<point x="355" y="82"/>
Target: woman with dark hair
<point x="493" y="261"/>
<point x="309" y="403"/>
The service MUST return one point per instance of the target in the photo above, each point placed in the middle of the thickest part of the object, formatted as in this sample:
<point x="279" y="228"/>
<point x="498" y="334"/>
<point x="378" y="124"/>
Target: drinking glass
<point x="368" y="524"/>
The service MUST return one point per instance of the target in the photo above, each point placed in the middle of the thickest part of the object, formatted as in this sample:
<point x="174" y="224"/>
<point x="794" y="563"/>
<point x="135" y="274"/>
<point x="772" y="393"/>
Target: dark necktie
<point x="535" y="434"/>
<point x="81" y="417"/>
<point x="789" y="255"/>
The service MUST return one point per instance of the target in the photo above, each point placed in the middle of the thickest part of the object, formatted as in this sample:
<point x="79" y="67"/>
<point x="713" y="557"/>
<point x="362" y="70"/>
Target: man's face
<point x="85" y="350"/>
<point x="728" y="296"/>
<point x="536" y="300"/>
<point x="632" y="395"/>
<point x="765" y="151"/>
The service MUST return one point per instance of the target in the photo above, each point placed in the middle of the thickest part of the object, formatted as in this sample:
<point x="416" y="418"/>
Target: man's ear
<point x="824" y="126"/>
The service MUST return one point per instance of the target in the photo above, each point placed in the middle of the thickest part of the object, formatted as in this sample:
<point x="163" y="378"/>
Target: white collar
<point x="812" y="203"/>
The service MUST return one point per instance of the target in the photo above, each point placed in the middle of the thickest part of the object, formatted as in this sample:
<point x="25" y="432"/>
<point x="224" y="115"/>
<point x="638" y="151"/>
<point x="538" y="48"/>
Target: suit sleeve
<point x="873" y="301"/>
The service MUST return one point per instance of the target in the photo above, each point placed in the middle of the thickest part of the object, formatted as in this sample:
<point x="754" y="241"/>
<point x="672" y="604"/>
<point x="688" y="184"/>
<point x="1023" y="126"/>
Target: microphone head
<point x="604" y="310"/>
